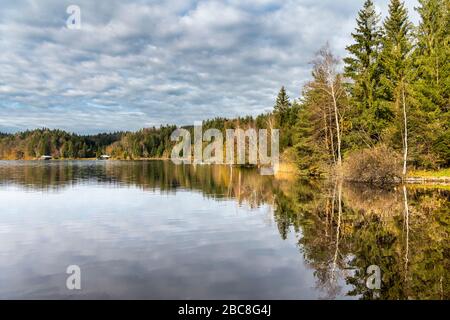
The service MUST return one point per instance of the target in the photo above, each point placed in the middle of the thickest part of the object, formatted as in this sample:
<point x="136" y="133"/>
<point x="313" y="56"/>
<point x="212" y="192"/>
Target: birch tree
<point x="330" y="83"/>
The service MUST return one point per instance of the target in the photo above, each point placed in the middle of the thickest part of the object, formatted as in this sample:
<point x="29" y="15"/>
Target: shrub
<point x="378" y="165"/>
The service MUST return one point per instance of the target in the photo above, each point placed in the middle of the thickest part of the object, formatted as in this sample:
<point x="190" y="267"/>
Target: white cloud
<point x="170" y="61"/>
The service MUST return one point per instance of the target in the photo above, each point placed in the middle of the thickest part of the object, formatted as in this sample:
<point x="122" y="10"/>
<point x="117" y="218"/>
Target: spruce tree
<point x="282" y="115"/>
<point x="313" y="140"/>
<point x="396" y="65"/>
<point x="442" y="144"/>
<point x="361" y="65"/>
<point x="431" y="85"/>
<point x="282" y="106"/>
<point x="395" y="58"/>
<point x="430" y="55"/>
<point x="362" y="68"/>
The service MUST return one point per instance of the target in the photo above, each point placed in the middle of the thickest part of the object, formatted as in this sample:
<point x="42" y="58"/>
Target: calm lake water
<point x="153" y="230"/>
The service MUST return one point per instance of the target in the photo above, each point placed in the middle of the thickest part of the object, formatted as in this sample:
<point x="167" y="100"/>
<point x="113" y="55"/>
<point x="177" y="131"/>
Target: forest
<point x="379" y="112"/>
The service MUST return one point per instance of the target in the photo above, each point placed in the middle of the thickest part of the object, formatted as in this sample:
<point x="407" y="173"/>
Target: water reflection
<point x="154" y="230"/>
<point x="404" y="231"/>
<point x="213" y="181"/>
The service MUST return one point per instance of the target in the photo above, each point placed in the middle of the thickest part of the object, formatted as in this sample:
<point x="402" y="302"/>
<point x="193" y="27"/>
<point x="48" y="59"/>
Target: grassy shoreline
<point x="442" y="173"/>
<point x="439" y="176"/>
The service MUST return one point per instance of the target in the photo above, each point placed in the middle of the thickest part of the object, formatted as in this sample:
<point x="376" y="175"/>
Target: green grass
<point x="431" y="186"/>
<point x="430" y="174"/>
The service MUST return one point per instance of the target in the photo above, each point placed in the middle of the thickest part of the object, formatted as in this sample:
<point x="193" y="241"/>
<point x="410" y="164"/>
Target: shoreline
<point x="425" y="180"/>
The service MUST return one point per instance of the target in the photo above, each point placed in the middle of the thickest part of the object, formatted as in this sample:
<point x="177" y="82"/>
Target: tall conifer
<point x="396" y="76"/>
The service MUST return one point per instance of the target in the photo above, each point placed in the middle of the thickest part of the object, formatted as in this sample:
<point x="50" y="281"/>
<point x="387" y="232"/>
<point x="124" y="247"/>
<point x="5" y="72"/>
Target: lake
<point x="153" y="230"/>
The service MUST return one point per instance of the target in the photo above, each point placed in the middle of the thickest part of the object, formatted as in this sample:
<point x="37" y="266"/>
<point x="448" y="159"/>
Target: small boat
<point x="104" y="157"/>
<point x="46" y="157"/>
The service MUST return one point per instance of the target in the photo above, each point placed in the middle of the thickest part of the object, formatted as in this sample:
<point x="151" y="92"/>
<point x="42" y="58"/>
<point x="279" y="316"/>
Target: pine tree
<point x="361" y="66"/>
<point x="82" y="153"/>
<point x="395" y="56"/>
<point x="431" y="86"/>
<point x="282" y="106"/>
<point x="43" y="146"/>
<point x="430" y="55"/>
<point x="314" y="142"/>
<point x="70" y="151"/>
<point x="281" y="112"/>
<point x="363" y="69"/>
<point x="395" y="61"/>
<point x="442" y="144"/>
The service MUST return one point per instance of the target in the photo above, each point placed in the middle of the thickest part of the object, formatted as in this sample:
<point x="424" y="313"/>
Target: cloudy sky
<point x="139" y="63"/>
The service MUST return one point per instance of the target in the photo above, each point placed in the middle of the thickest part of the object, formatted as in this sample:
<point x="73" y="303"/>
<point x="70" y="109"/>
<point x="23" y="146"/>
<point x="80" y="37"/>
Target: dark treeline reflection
<point x="341" y="229"/>
<point x="216" y="181"/>
<point x="346" y="228"/>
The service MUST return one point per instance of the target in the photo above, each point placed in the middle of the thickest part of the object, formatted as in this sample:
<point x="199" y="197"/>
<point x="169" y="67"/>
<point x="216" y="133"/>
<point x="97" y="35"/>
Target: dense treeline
<point x="57" y="143"/>
<point x="388" y="108"/>
<point x="145" y="143"/>
<point x="392" y="101"/>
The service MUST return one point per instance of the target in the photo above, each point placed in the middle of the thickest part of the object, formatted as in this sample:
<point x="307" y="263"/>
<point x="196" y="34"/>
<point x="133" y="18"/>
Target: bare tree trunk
<point x="333" y="151"/>
<point x="405" y="195"/>
<point x="338" y="130"/>
<point x="327" y="212"/>
<point x="329" y="129"/>
<point x="230" y="184"/>
<point x="334" y="200"/>
<point x="338" y="229"/>
<point x="326" y="131"/>
<point x="405" y="123"/>
<point x="239" y="187"/>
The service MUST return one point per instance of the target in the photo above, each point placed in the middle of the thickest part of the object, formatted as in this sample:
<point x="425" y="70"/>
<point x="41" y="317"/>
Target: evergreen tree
<point x="431" y="85"/>
<point x="70" y="152"/>
<point x="442" y="143"/>
<point x="282" y="106"/>
<point x="361" y="66"/>
<point x="430" y="56"/>
<point x="43" y="146"/>
<point x="395" y="56"/>
<point x="363" y="70"/>
<point x="82" y="153"/>
<point x="282" y="110"/>
<point x="396" y="67"/>
<point x="313" y="143"/>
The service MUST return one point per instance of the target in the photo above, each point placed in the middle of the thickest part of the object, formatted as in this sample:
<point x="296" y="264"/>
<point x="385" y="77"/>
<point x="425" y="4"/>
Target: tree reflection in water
<point x="341" y="228"/>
